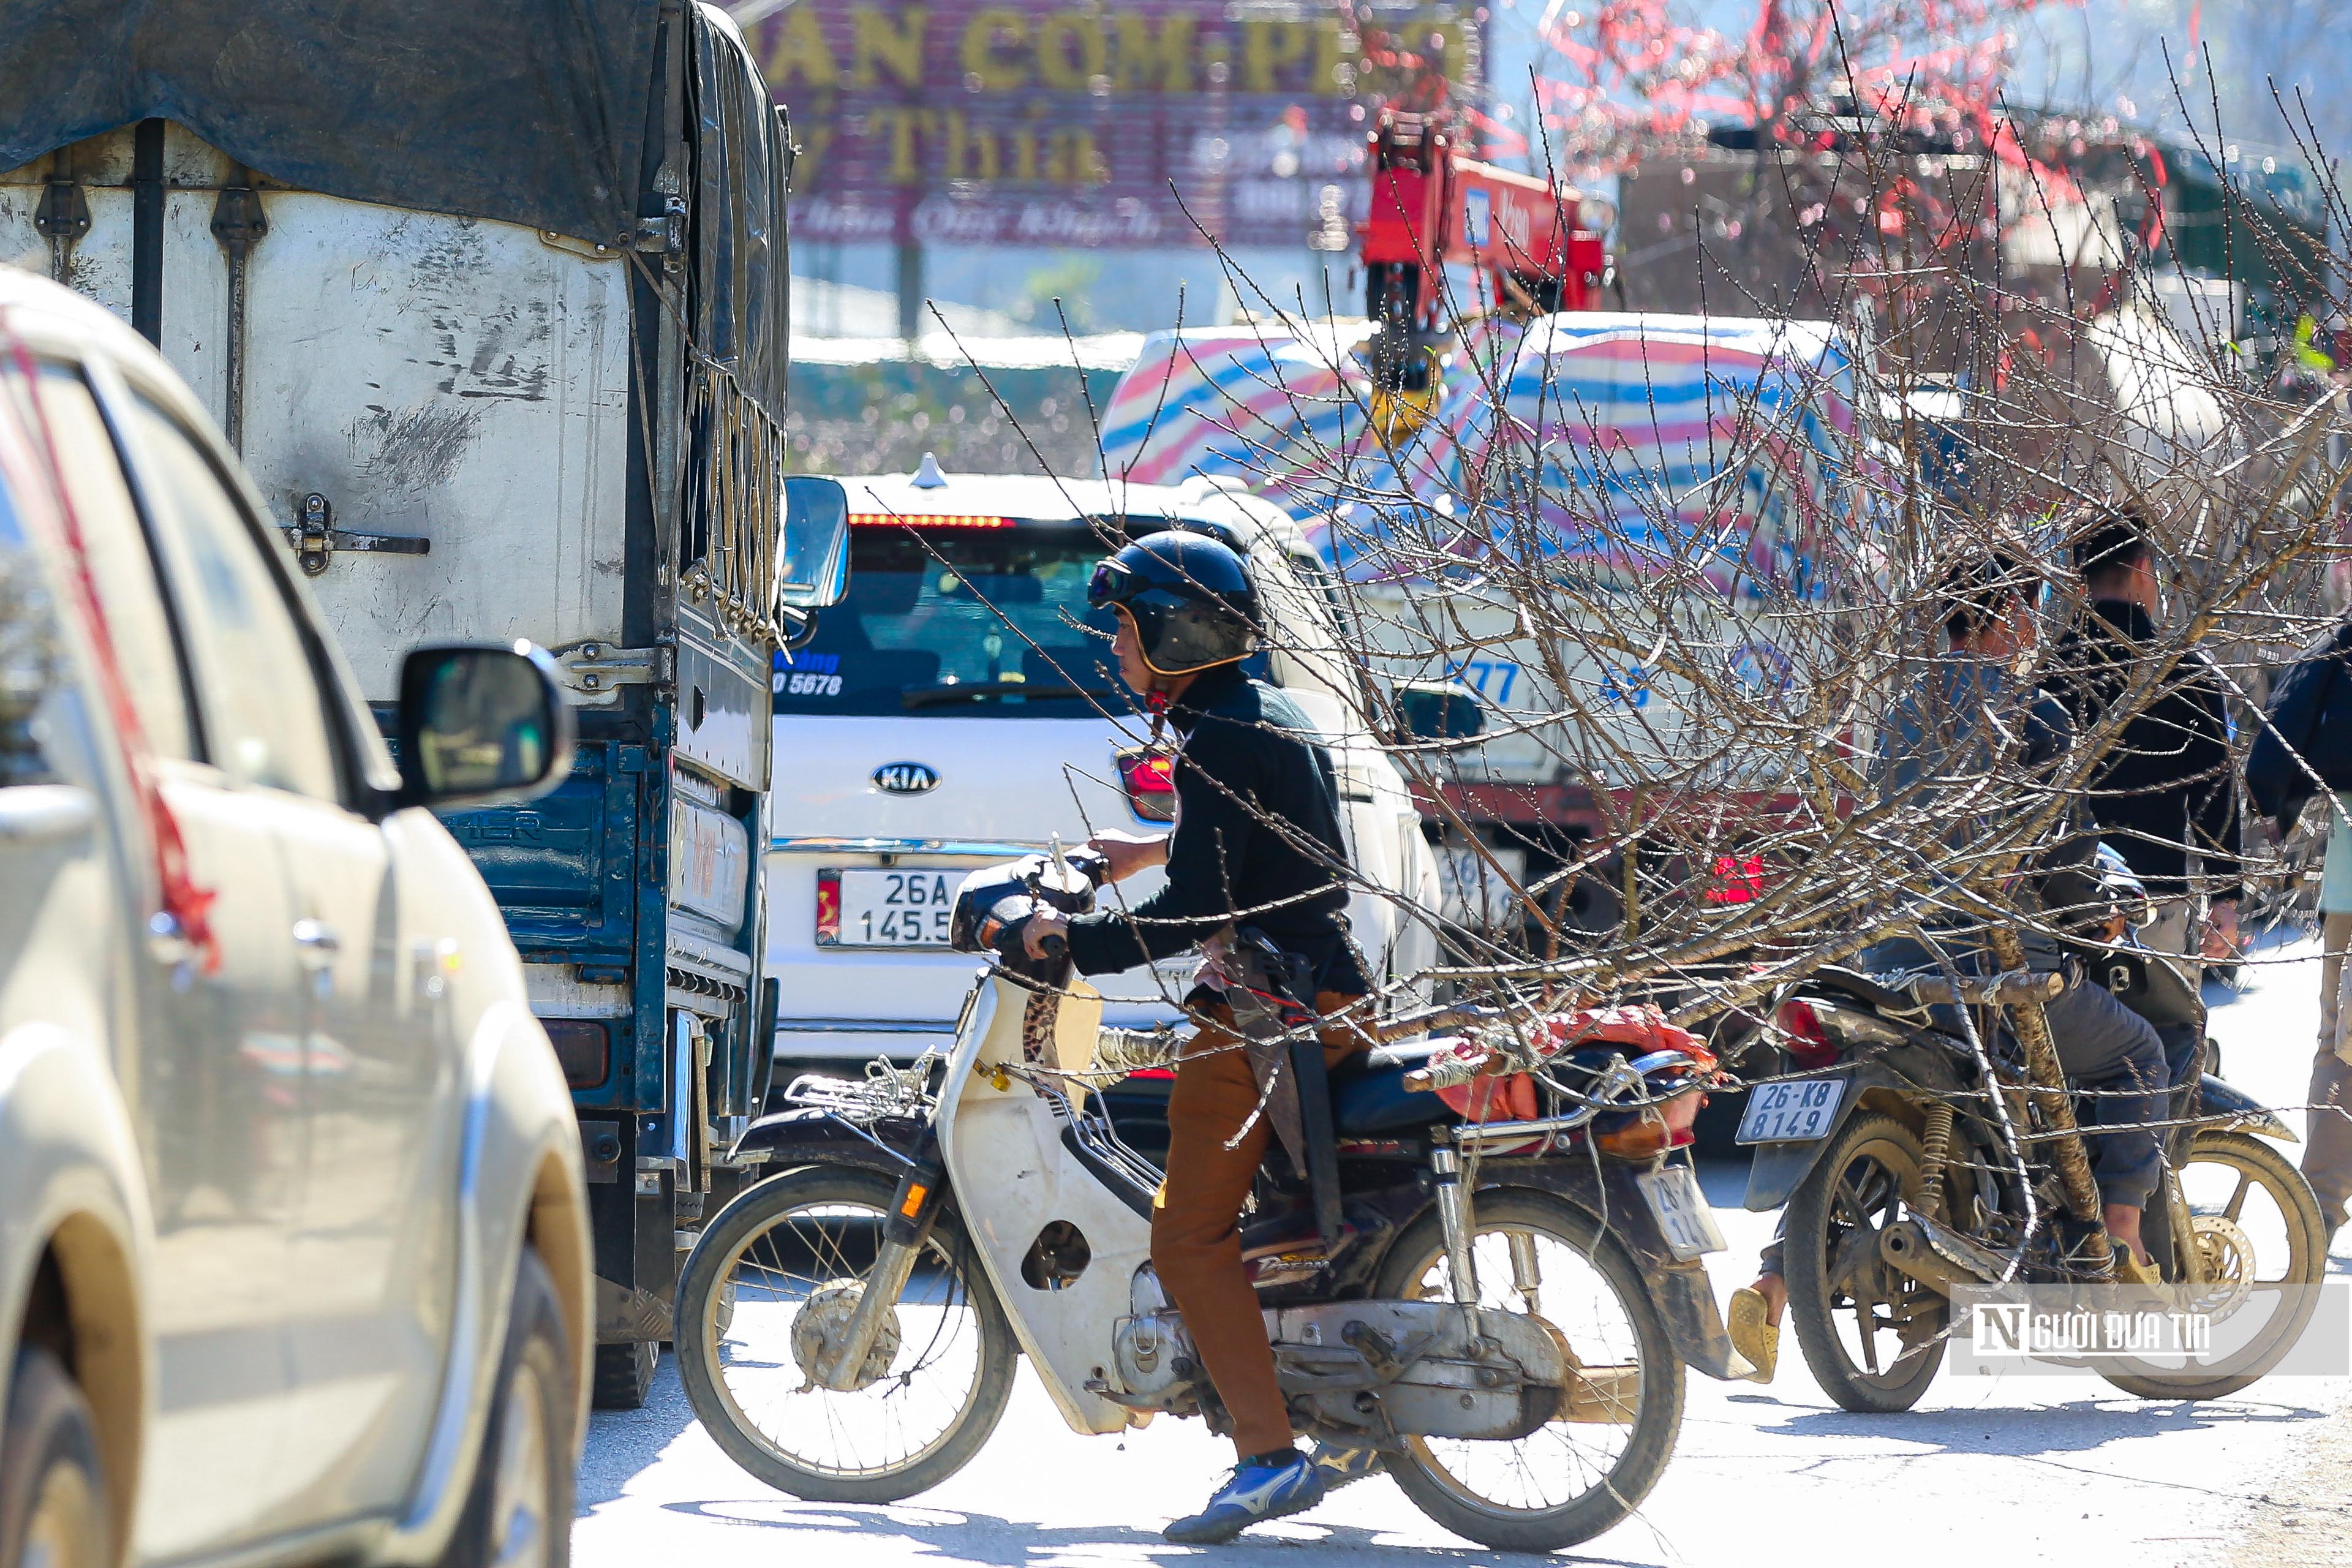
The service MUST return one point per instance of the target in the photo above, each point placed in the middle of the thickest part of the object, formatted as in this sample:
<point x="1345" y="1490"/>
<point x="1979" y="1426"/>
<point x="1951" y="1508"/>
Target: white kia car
<point x="955" y="709"/>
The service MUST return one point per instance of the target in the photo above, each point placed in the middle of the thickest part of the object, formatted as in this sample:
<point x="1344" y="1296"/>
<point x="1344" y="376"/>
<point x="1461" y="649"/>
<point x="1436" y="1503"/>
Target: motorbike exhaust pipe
<point x="1935" y="1257"/>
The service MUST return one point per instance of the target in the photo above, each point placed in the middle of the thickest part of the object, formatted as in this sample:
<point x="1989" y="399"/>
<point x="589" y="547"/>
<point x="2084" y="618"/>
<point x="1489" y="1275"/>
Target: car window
<point x="963" y="620"/>
<point x="32" y="655"/>
<point x="967" y="618"/>
<point x="264" y="716"/>
<point x="129" y="594"/>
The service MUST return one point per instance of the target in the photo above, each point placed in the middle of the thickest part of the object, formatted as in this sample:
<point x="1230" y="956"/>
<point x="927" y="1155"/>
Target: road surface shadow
<point x="2042" y="1431"/>
<point x="621" y="1443"/>
<point x="1001" y="1543"/>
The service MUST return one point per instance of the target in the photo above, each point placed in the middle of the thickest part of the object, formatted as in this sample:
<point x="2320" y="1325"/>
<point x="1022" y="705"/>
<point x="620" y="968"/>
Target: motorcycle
<point x="1503" y="1311"/>
<point x="1898" y="1158"/>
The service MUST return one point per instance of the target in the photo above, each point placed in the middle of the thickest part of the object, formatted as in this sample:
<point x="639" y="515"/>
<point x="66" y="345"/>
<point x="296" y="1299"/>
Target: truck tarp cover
<point x="527" y="112"/>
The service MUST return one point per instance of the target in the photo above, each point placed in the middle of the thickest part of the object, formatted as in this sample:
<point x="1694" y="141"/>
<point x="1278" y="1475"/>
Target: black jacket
<point x="1257" y="840"/>
<point x="2304" y="742"/>
<point x="2168" y="785"/>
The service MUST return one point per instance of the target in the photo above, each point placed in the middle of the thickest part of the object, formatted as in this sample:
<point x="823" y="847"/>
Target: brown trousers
<point x="2327" y="1154"/>
<point x="1196" y="1242"/>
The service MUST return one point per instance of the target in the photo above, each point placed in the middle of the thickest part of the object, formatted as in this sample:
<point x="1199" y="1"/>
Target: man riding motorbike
<point x="1970" y="715"/>
<point x="1257" y="843"/>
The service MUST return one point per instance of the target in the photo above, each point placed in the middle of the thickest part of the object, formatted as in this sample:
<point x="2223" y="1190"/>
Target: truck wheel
<point x="53" y="1509"/>
<point x="624" y="1374"/>
<point x="518" y="1512"/>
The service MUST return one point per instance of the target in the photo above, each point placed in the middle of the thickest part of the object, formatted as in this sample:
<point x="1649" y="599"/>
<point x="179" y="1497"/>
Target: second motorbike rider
<point x="1256" y="840"/>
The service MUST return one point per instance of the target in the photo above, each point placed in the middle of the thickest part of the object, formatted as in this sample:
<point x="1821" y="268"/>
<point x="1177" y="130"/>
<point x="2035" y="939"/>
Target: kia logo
<point x="906" y="778"/>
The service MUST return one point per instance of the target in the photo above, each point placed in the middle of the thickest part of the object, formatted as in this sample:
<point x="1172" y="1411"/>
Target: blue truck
<point x="493" y="301"/>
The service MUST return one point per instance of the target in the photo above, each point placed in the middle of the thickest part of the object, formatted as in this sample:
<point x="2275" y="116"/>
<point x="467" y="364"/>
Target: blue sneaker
<point x="1251" y="1495"/>
<point x="1343" y="1466"/>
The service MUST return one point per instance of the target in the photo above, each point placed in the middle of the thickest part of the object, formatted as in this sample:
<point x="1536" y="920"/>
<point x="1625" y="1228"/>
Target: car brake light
<point x="924" y="520"/>
<point x="1737" y="879"/>
<point x="1150" y="780"/>
<point x="1809" y="1043"/>
<point x="828" y="906"/>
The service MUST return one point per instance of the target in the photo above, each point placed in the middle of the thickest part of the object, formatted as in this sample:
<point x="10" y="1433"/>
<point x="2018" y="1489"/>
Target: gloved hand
<point x="1122" y="1051"/>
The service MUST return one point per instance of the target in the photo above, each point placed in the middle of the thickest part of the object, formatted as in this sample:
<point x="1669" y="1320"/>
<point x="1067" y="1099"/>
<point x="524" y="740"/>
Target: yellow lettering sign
<point x="808" y="157"/>
<point x="879" y="40"/>
<point x="1333" y="44"/>
<point x="1073" y="158"/>
<point x="986" y="38"/>
<point x="900" y="125"/>
<point x="971" y="152"/>
<point x="1070" y="50"/>
<point x="800" y="53"/>
<point x="1267" y="47"/>
<point x="1153" y="58"/>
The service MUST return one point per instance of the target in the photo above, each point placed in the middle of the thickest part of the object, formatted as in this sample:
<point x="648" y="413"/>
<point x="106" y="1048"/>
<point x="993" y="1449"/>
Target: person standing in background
<point x="2165" y="796"/>
<point x="2303" y="751"/>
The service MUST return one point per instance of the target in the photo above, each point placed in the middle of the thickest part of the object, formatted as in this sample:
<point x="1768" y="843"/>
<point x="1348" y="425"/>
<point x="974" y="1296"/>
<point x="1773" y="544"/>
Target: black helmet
<point x="1191" y="598"/>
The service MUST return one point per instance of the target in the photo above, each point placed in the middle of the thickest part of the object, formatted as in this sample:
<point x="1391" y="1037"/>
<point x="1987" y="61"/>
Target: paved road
<point x="2008" y="1471"/>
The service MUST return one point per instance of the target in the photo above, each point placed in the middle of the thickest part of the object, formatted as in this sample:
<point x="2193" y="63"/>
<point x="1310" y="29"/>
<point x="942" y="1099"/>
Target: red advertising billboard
<point x="1137" y="124"/>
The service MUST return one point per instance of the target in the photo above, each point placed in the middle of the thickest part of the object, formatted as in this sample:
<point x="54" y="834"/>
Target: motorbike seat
<point x="1368" y="1098"/>
<point x="1864" y="989"/>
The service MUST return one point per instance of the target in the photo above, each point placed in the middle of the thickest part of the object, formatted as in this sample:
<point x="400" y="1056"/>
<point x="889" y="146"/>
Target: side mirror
<point x="479" y="725"/>
<point x="813" y="560"/>
<point x="1440" y="711"/>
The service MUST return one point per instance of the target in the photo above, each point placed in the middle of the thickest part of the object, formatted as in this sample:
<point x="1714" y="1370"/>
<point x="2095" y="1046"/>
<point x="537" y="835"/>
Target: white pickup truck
<point x="294" y="1243"/>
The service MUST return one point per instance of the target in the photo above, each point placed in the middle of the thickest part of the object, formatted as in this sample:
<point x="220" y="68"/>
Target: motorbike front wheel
<point x="775" y="1280"/>
<point x="2263" y="1247"/>
<point x="1575" y="1476"/>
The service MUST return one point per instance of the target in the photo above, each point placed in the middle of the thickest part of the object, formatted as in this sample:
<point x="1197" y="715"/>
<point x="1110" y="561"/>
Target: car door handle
<point x="319" y="942"/>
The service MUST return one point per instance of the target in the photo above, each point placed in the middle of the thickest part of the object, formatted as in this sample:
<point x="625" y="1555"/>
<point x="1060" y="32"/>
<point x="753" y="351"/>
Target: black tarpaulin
<point x="526" y="111"/>
<point x="743" y="164"/>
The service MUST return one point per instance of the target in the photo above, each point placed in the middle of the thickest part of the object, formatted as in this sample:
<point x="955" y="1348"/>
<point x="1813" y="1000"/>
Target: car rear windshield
<point x="986" y="618"/>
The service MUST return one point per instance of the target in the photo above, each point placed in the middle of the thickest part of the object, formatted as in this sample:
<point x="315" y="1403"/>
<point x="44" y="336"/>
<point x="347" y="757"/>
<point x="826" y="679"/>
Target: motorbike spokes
<point x="2251" y="1247"/>
<point x="791" y="1262"/>
<point x="1614" y="1421"/>
<point x="1884" y="1304"/>
<point x="1870" y="1332"/>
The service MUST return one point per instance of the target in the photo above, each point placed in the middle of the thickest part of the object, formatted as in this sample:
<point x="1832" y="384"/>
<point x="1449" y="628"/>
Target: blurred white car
<point x="293" y="1250"/>
<point x="953" y="710"/>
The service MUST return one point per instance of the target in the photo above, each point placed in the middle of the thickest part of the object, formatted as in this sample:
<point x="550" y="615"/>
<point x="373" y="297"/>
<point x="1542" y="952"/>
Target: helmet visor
<point x="1112" y="583"/>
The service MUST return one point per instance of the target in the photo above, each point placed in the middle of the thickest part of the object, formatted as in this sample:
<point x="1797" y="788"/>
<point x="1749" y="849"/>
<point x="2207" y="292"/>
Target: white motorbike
<point x="1504" y="1313"/>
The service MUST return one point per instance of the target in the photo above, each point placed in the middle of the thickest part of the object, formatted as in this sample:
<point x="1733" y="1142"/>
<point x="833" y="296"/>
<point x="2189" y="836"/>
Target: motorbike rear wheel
<point x="778" y="1272"/>
<point x="1540" y="1255"/>
<point x="1868" y="1178"/>
<point x="2281" y="1242"/>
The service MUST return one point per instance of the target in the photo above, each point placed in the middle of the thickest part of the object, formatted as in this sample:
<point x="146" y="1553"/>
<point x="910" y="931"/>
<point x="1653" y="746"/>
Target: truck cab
<point x="511" y="366"/>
